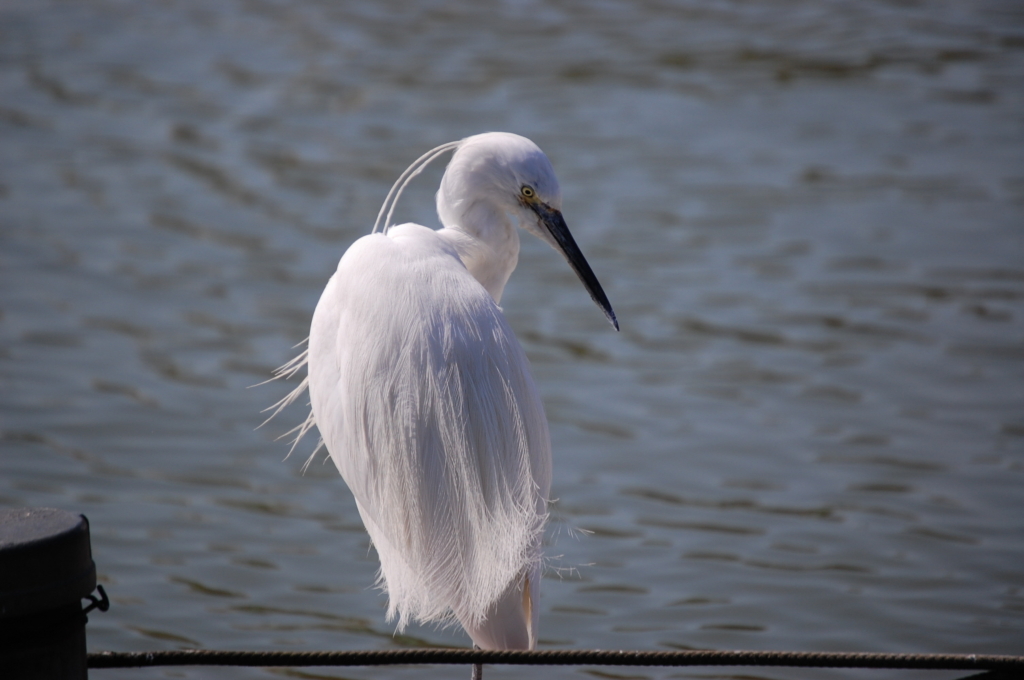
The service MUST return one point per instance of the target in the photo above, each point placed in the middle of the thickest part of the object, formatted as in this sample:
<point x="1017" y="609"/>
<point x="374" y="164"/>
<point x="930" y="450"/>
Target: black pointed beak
<point x="553" y="221"/>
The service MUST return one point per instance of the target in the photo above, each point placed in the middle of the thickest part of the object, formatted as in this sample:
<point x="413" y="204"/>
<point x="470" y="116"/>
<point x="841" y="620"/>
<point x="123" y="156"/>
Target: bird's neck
<point x="488" y="244"/>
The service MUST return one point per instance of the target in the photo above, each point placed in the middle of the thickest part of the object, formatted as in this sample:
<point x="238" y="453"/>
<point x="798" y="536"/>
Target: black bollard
<point x="46" y="569"/>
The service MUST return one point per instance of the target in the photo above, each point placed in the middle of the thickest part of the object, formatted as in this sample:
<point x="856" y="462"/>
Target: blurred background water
<point x="809" y="434"/>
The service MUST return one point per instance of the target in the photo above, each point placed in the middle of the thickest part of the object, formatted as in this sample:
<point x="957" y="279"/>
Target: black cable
<point x="199" y="657"/>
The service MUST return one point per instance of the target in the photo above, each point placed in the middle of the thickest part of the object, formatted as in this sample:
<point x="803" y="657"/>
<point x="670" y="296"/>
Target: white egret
<point x="424" y="398"/>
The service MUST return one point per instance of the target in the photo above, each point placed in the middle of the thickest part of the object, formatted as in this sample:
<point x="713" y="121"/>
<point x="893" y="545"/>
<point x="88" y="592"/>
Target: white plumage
<point x="424" y="398"/>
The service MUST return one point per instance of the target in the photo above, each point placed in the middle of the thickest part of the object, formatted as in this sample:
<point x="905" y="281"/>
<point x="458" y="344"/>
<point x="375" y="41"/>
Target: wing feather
<point x="425" y="401"/>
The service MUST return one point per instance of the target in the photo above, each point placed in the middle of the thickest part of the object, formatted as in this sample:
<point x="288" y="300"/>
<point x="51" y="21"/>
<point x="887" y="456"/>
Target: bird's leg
<point x="478" y="670"/>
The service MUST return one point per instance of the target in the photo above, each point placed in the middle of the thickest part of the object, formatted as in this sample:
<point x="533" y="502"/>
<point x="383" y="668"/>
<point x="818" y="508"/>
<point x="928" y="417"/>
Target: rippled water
<point x="809" y="434"/>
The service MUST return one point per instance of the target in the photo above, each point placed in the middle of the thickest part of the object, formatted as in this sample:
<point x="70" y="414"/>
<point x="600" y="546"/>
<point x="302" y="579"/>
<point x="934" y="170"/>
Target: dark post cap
<point x="45" y="560"/>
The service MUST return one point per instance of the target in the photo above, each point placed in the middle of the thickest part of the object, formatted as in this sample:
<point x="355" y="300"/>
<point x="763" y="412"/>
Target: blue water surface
<point x="809" y="217"/>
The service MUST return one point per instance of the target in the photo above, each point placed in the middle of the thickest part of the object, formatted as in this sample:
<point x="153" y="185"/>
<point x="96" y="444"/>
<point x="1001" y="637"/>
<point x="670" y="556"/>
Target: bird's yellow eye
<point x="528" y="191"/>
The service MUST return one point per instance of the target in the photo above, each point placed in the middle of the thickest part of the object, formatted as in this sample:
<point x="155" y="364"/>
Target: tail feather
<point x="511" y="622"/>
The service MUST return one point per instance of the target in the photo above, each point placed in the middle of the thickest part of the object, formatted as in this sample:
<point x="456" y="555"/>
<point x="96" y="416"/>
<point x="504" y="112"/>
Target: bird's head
<point x="505" y="174"/>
